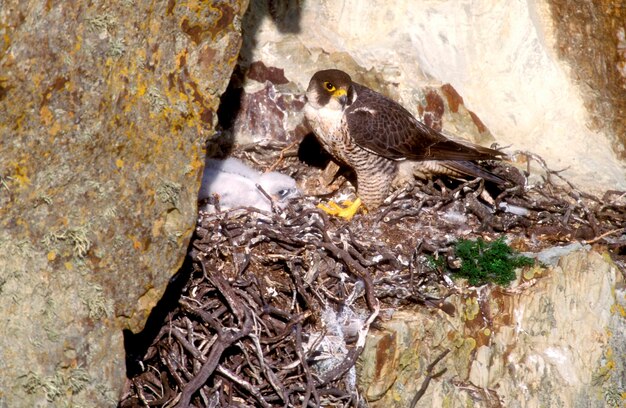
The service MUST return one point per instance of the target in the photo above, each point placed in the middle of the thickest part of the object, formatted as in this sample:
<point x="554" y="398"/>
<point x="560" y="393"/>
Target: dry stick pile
<point x="278" y="305"/>
<point x="248" y="326"/>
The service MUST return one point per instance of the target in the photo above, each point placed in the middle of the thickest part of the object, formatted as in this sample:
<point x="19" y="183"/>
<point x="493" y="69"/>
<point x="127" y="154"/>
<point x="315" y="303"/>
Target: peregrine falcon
<point x="235" y="184"/>
<point x="380" y="140"/>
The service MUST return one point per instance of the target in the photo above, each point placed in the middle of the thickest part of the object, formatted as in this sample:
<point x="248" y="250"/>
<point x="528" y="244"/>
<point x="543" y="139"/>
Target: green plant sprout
<point x="483" y="262"/>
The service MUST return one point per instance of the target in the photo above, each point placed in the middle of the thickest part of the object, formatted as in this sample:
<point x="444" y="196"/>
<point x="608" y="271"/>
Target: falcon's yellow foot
<point x="346" y="212"/>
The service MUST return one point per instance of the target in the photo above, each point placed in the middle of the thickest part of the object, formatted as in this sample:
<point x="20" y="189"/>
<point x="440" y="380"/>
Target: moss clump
<point x="484" y="262"/>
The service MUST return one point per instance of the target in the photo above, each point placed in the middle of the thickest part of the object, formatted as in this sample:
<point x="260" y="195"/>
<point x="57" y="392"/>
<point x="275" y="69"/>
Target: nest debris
<point x="277" y="305"/>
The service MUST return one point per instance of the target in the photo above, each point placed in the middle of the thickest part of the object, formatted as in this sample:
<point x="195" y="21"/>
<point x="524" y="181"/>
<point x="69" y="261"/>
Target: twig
<point x="606" y="234"/>
<point x="429" y="376"/>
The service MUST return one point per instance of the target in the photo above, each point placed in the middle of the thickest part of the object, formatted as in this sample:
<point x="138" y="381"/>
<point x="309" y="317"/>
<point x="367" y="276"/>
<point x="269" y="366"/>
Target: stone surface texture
<point x="104" y="108"/>
<point x="555" y="339"/>
<point x="523" y="67"/>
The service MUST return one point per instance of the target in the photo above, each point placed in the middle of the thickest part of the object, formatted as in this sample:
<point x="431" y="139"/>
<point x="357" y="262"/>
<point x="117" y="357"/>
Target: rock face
<point x="104" y="111"/>
<point x="105" y="108"/>
<point x="555" y="340"/>
<point x="523" y="68"/>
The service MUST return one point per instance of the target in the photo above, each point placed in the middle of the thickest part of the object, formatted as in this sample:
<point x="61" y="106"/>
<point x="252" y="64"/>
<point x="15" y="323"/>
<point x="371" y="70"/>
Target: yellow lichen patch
<point x="54" y="129"/>
<point x="617" y="308"/>
<point x="471" y="308"/>
<point x="69" y="86"/>
<point x="183" y="97"/>
<point x="128" y="107"/>
<point x="608" y="366"/>
<point x="119" y="163"/>
<point x="456" y="339"/>
<point x="52" y="256"/>
<point x="155" y="27"/>
<point x="141" y="88"/>
<point x="469" y="344"/>
<point x="233" y="59"/>
<point x="464" y="348"/>
<point x="46" y="115"/>
<point x="79" y="43"/>
<point x="7" y="41"/>
<point x="19" y="176"/>
<point x="181" y="58"/>
<point x="156" y="143"/>
<point x="69" y="266"/>
<point x="533" y="272"/>
<point x="396" y="396"/>
<point x="607" y="257"/>
<point x="37" y="78"/>
<point x="196" y="165"/>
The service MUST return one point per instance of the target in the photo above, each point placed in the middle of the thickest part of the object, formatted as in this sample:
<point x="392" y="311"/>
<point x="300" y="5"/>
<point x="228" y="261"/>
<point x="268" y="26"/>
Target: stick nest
<point x="276" y="306"/>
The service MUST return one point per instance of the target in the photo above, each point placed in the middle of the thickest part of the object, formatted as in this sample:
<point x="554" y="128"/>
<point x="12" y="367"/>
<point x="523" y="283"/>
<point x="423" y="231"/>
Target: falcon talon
<point x="347" y="212"/>
<point x="349" y="204"/>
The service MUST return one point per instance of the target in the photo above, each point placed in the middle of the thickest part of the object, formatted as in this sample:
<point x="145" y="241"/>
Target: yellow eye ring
<point x="329" y="86"/>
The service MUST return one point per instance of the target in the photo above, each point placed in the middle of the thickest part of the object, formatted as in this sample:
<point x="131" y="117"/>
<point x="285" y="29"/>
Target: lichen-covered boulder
<point x="104" y="109"/>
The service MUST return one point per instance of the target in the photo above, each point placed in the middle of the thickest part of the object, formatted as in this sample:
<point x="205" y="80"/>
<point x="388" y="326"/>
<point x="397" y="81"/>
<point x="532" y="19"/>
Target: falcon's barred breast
<point x="371" y="134"/>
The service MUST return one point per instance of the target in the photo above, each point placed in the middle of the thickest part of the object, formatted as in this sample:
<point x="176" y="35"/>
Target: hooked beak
<point x="342" y="96"/>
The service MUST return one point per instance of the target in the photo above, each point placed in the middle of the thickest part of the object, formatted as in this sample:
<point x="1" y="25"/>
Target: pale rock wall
<point x="500" y="56"/>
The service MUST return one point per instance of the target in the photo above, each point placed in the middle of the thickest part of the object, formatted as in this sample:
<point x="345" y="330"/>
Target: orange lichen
<point x="54" y="129"/>
<point x="46" y="115"/>
<point x="196" y="164"/>
<point x="181" y="58"/>
<point x="7" y="41"/>
<point x="20" y="175"/>
<point x="617" y="308"/>
<point x="141" y="87"/>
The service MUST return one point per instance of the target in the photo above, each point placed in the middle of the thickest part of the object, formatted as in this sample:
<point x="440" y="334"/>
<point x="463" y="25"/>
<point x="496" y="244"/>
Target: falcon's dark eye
<point x="283" y="193"/>
<point x="329" y="86"/>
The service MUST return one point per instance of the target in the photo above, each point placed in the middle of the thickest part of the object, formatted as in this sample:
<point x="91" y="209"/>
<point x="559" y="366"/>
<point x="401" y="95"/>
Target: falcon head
<point x="330" y="88"/>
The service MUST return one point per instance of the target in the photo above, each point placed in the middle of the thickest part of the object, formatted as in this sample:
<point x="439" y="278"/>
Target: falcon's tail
<point x="460" y="168"/>
<point x="468" y="168"/>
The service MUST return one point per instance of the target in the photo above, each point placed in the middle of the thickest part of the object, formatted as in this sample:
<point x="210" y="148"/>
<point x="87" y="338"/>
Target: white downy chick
<point x="236" y="185"/>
